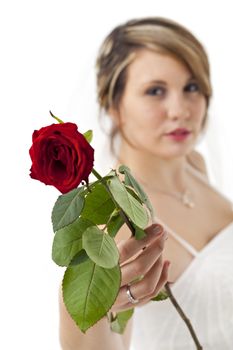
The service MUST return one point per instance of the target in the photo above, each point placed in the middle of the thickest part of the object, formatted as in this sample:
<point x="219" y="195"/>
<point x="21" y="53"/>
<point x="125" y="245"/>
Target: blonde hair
<point x="157" y="34"/>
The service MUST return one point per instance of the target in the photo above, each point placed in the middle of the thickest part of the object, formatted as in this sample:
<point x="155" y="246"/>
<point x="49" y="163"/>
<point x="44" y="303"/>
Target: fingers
<point x="144" y="287"/>
<point x="131" y="247"/>
<point x="160" y="285"/>
<point x="148" y="284"/>
<point x="147" y="287"/>
<point x="163" y="279"/>
<point x="143" y="262"/>
<point x="142" y="258"/>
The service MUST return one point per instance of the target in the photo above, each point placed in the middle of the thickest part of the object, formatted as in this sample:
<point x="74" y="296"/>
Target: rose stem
<point x="183" y="316"/>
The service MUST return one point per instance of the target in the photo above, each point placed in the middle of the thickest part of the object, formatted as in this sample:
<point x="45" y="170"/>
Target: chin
<point x="174" y="152"/>
<point x="179" y="149"/>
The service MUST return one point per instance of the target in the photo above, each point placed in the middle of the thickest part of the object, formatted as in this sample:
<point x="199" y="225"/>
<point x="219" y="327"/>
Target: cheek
<point x="147" y="115"/>
<point x="199" y="110"/>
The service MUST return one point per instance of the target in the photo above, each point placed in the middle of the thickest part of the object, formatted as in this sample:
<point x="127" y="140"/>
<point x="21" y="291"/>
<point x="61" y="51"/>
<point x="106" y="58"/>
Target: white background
<point x="48" y="50"/>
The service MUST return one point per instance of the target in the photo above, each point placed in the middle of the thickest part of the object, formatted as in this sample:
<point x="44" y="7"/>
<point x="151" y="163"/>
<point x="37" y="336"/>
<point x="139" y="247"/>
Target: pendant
<point x="187" y="201"/>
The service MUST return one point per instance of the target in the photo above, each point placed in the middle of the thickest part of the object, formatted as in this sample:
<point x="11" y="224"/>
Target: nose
<point x="177" y="107"/>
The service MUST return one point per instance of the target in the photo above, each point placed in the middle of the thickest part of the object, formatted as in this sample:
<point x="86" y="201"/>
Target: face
<point x="162" y="109"/>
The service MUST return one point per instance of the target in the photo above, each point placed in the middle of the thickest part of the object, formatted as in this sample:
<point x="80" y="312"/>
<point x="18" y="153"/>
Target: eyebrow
<point x="162" y="82"/>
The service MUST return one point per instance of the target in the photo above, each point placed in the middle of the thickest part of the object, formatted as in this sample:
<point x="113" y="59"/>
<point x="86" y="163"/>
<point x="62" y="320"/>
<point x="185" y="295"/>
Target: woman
<point x="154" y="82"/>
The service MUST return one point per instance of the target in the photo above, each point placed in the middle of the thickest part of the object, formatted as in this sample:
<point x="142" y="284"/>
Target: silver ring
<point x="131" y="299"/>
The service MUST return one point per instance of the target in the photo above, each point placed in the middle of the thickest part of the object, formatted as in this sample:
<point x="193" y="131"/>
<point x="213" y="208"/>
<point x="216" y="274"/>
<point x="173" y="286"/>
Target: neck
<point x="163" y="173"/>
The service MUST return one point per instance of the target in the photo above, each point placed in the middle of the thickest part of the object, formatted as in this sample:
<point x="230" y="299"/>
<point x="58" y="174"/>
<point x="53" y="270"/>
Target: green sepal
<point x="119" y="322"/>
<point x="88" y="135"/>
<point x="56" y="118"/>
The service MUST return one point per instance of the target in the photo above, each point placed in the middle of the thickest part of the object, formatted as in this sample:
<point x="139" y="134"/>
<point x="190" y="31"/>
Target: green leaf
<point x="114" y="225"/>
<point x="139" y="233"/>
<point x="128" y="203"/>
<point x="68" y="241"/>
<point x="88" y="135"/>
<point x="98" y="205"/>
<point x="133" y="193"/>
<point x="123" y="169"/>
<point x="89" y="291"/>
<point x="131" y="181"/>
<point x="111" y="173"/>
<point x="79" y="258"/>
<point x="161" y="296"/>
<point x="67" y="208"/>
<point x="100" y="247"/>
<point x="119" y="323"/>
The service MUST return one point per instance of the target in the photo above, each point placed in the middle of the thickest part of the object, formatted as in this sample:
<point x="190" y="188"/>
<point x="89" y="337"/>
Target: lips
<point x="179" y="132"/>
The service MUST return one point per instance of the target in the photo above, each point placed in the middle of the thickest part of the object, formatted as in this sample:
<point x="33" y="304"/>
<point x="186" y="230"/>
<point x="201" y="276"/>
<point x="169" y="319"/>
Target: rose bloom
<point x="61" y="156"/>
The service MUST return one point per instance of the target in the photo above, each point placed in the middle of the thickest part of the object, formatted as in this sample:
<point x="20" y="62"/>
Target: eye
<point x="192" y="87"/>
<point x="156" y="91"/>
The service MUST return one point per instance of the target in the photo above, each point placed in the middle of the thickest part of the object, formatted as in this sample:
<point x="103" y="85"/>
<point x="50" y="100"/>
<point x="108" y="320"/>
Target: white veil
<point x="217" y="149"/>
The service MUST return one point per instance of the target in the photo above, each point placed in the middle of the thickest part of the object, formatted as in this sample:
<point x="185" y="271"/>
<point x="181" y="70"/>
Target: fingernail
<point x="157" y="229"/>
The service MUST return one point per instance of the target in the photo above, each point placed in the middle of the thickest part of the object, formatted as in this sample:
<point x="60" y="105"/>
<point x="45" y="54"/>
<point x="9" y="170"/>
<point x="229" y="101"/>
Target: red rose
<point x="61" y="156"/>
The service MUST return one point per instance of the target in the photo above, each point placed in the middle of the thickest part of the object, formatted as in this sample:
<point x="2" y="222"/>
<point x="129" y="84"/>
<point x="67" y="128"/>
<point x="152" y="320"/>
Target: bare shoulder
<point x="196" y="160"/>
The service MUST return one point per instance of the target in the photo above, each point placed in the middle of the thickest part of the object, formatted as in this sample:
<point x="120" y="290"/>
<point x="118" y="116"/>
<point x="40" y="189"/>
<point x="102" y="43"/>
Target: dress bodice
<point x="205" y="292"/>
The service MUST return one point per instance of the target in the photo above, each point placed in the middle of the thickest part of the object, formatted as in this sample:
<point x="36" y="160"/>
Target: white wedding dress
<point x="205" y="293"/>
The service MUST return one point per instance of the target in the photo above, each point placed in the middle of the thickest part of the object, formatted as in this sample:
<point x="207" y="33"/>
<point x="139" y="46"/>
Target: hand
<point x="142" y="258"/>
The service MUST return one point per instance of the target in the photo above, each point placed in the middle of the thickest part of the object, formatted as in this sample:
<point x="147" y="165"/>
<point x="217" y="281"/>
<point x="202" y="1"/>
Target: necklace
<point x="185" y="197"/>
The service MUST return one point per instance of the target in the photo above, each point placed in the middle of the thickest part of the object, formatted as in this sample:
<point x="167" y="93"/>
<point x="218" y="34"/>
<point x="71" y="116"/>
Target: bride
<point x="154" y="82"/>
